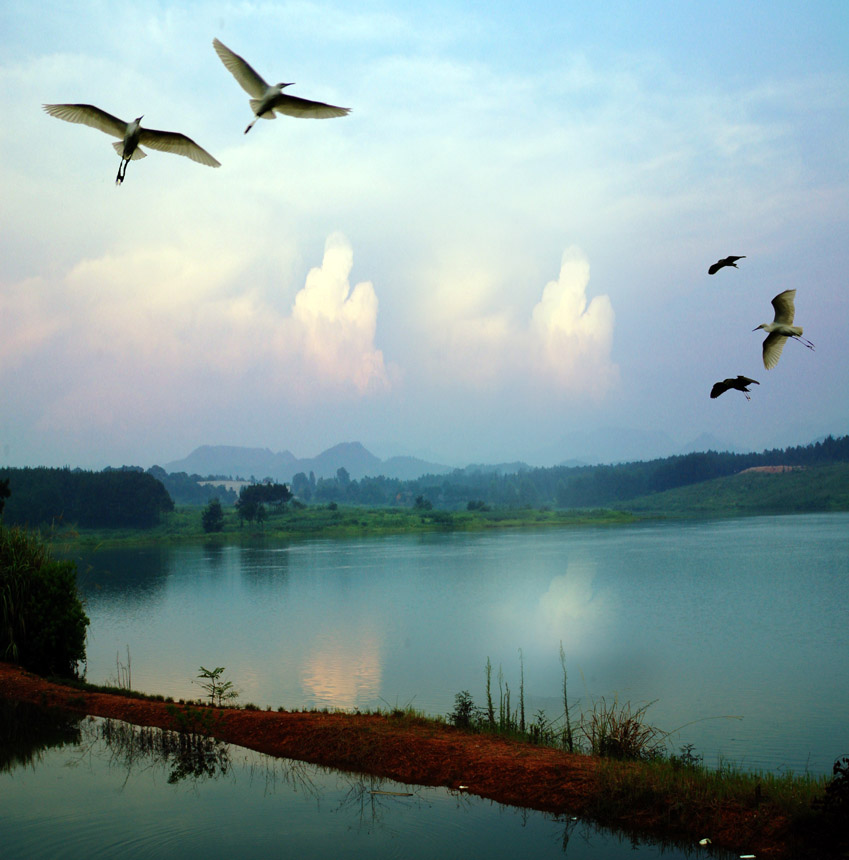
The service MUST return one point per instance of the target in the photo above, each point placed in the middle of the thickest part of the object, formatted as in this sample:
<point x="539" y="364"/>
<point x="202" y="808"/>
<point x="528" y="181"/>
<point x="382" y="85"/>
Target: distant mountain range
<point x="260" y="463"/>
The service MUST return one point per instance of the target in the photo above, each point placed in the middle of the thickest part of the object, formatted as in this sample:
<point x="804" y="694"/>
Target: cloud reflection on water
<point x="344" y="671"/>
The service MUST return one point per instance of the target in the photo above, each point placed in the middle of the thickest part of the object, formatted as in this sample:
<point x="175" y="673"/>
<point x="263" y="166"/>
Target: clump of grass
<point x="618" y="730"/>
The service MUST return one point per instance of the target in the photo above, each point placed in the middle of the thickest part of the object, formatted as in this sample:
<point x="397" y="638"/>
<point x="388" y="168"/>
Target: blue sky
<point x="500" y="254"/>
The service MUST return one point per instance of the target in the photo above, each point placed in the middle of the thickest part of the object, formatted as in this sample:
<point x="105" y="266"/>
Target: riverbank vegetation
<point x="43" y="622"/>
<point x="672" y="798"/>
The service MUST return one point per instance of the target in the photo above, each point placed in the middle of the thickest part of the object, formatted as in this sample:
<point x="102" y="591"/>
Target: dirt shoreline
<point x="423" y="752"/>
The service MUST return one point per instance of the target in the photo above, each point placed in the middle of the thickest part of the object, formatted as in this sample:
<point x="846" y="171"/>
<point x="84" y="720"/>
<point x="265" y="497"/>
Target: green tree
<point x="213" y="517"/>
<point x="271" y="494"/>
<point x="301" y="486"/>
<point x="247" y="509"/>
<point x="42" y="622"/>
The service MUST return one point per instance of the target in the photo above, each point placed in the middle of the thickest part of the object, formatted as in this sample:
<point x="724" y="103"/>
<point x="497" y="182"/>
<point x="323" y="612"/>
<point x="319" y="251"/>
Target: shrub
<point x="43" y="622"/>
<point x="465" y="715"/>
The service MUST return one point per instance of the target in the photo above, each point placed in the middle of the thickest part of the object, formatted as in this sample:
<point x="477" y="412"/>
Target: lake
<point x="735" y="629"/>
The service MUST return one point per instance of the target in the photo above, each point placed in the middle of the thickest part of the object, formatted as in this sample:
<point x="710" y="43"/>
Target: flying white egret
<point x="130" y="135"/>
<point x="266" y="99"/>
<point x="781" y="328"/>
<point x="725" y="261"/>
<point x="741" y="383"/>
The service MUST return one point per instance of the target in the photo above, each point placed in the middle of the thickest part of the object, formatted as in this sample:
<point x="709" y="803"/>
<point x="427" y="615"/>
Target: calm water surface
<point x="735" y="629"/>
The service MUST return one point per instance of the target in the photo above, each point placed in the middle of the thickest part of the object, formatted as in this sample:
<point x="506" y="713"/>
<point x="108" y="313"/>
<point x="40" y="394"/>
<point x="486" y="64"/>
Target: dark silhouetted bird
<point x="781" y="328"/>
<point x="741" y="383"/>
<point x="130" y="135"/>
<point x="265" y="98"/>
<point x="727" y="261"/>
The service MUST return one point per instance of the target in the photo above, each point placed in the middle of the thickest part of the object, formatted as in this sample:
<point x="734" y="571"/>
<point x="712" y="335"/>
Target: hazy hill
<point x="230" y="460"/>
<point x="233" y="460"/>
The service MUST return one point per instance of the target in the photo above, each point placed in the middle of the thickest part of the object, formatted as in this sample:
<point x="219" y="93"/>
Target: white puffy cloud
<point x="136" y="336"/>
<point x="564" y="343"/>
<point x="573" y="338"/>
<point x="335" y="325"/>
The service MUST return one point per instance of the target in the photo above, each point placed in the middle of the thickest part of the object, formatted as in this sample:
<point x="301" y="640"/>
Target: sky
<point x="500" y="254"/>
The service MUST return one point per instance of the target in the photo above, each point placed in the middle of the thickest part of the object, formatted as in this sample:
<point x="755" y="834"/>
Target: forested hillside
<point x="562" y="486"/>
<point x="109" y="499"/>
<point x="130" y="497"/>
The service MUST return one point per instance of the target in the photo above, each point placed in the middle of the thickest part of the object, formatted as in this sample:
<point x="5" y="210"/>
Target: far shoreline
<point x="332" y="523"/>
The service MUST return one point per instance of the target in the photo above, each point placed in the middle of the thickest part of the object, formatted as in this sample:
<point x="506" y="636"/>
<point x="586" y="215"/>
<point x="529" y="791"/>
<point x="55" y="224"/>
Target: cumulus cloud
<point x="134" y="337"/>
<point x="573" y="338"/>
<point x="335" y="325"/>
<point x="564" y="343"/>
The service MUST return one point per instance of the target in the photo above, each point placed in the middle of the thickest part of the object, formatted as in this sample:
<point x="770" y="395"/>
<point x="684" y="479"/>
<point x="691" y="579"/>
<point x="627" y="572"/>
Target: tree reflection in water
<point x="26" y="731"/>
<point x="188" y="755"/>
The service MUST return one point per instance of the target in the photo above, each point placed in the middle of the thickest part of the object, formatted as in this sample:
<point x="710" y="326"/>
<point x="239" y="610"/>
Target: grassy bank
<point x="673" y="800"/>
<point x="331" y="521"/>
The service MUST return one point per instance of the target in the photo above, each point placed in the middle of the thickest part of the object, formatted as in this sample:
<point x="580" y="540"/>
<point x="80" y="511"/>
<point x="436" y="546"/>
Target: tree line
<point x="559" y="486"/>
<point x="122" y="498"/>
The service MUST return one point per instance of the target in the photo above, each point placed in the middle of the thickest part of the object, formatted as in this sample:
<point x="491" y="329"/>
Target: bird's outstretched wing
<point x="773" y="345"/>
<point x="243" y="72"/>
<point x="89" y="115"/>
<point x="294" y="106"/>
<point x="785" y="307"/>
<point x="179" y="144"/>
<point x="719" y="388"/>
<point x="725" y="261"/>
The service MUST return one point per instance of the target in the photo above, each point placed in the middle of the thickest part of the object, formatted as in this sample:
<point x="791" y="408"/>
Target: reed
<point x="568" y="737"/>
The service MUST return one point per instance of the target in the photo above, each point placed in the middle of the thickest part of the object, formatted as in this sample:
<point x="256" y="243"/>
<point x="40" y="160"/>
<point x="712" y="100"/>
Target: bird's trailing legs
<point x="122" y="170"/>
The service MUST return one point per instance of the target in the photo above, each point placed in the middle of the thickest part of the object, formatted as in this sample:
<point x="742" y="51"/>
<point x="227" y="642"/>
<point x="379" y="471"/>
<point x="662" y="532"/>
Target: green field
<point x="328" y="521"/>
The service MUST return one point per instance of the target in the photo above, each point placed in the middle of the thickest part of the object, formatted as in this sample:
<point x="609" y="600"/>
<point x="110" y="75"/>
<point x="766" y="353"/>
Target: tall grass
<point x="696" y="796"/>
<point x="637" y="771"/>
<point x="618" y="730"/>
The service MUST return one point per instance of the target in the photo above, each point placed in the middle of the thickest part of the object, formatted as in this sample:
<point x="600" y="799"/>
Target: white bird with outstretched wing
<point x="131" y="135"/>
<point x="266" y="99"/>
